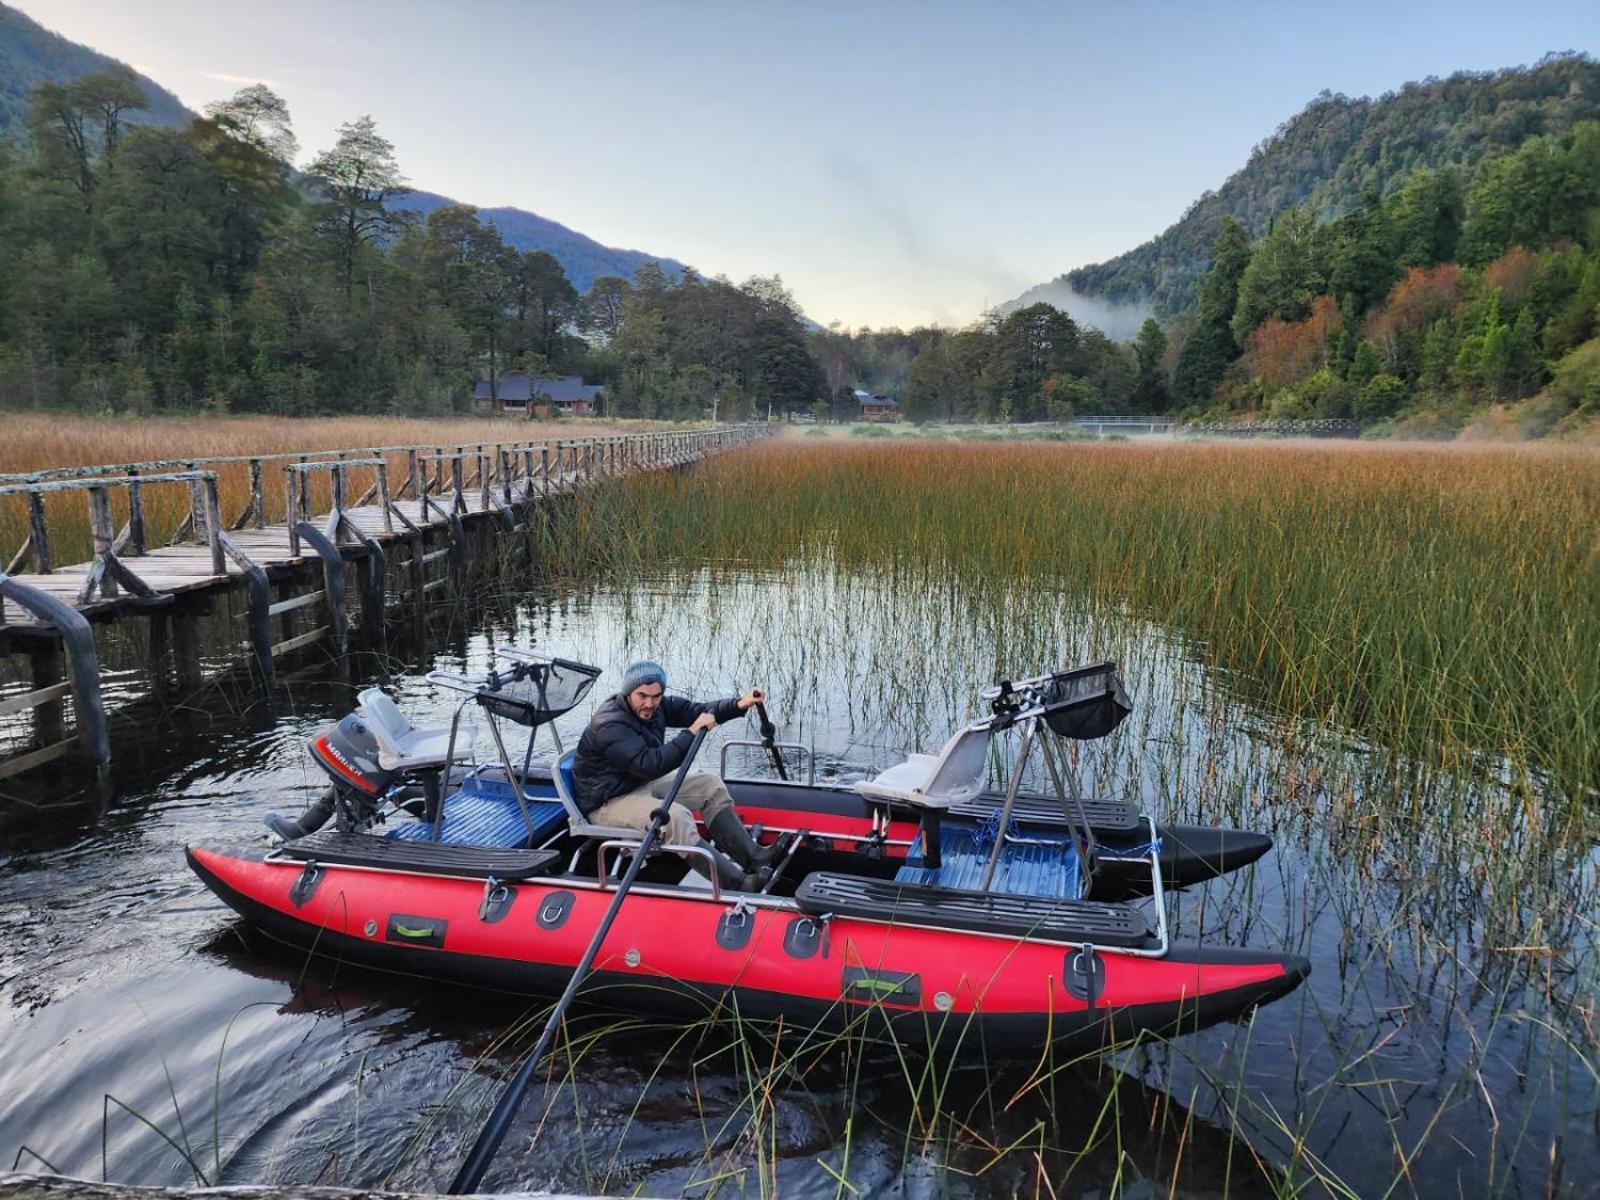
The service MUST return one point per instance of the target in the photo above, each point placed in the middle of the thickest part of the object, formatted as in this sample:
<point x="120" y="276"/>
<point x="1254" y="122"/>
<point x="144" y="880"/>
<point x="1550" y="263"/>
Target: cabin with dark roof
<point x="515" y="392"/>
<point x="878" y="407"/>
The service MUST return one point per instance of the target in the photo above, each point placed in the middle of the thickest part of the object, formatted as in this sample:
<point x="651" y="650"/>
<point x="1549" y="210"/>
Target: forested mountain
<point x="1328" y="156"/>
<point x="30" y="55"/>
<point x="582" y="258"/>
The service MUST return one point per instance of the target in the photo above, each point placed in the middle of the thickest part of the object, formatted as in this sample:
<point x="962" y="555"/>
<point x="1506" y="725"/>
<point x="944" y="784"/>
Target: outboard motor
<point x="348" y="753"/>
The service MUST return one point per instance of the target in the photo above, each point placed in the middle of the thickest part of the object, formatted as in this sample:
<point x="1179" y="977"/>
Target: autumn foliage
<point x="1284" y="352"/>
<point x="1512" y="273"/>
<point x="1422" y="296"/>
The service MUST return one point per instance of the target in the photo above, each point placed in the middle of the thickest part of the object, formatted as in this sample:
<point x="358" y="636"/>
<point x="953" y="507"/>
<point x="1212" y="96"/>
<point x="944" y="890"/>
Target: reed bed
<point x="34" y="442"/>
<point x="1443" y="600"/>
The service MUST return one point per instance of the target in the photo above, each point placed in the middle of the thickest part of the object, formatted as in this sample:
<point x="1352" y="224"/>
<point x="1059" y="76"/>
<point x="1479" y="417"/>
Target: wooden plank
<point x="305" y="639"/>
<point x="284" y="606"/>
<point x="36" y="758"/>
<point x="27" y="700"/>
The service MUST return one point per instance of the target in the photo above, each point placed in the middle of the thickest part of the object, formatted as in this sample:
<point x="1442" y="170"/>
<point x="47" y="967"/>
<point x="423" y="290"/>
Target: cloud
<point x="237" y="80"/>
<point x="927" y="268"/>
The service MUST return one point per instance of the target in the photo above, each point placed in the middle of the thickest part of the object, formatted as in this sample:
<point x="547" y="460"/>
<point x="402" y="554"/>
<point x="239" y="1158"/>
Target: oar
<point x="769" y="731"/>
<point x="494" y="1129"/>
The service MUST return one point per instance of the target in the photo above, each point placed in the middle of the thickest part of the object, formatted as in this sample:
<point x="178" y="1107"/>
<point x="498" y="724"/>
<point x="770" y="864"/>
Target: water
<point x="147" y="1036"/>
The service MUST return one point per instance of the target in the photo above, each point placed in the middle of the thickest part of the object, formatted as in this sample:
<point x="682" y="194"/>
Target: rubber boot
<point x="730" y="835"/>
<point x="730" y="875"/>
<point x="313" y="819"/>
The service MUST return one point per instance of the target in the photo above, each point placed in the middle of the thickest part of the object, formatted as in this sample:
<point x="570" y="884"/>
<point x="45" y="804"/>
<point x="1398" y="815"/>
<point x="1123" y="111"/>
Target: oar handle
<point x="494" y="1130"/>
<point x="769" y="733"/>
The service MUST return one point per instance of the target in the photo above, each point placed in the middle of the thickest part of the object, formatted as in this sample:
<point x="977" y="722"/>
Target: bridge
<point x="1127" y="425"/>
<point x="430" y="508"/>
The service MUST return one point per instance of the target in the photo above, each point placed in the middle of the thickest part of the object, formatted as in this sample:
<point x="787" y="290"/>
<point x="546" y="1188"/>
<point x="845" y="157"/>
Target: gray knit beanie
<point x="642" y="672"/>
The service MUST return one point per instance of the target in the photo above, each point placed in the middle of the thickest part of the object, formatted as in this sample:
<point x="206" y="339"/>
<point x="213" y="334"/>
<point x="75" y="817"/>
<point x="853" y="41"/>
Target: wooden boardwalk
<point x="454" y="497"/>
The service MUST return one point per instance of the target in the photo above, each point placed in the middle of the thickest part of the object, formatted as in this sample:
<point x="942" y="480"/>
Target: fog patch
<point x="1120" y="322"/>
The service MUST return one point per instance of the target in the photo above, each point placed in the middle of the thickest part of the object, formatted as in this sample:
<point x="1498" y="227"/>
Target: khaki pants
<point x="702" y="792"/>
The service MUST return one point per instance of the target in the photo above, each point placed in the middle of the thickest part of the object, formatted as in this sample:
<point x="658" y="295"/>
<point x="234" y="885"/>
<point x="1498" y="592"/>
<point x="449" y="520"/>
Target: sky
<point x="895" y="163"/>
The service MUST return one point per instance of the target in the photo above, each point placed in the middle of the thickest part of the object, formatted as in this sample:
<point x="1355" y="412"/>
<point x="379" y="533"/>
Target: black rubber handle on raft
<point x="769" y="732"/>
<point x="494" y="1130"/>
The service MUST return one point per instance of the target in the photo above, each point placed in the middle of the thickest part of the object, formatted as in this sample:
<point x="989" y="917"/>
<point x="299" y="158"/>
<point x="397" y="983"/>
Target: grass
<point x="1445" y="601"/>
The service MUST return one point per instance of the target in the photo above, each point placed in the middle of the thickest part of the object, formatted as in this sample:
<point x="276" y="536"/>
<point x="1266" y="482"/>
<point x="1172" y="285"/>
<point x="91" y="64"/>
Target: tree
<point x="1210" y="346"/>
<point x="1150" y="348"/>
<point x="1426" y="219"/>
<point x="1030" y="345"/>
<point x="544" y="304"/>
<point x="258" y="117"/>
<point x="359" y="176"/>
<point x="1284" y="352"/>
<point x="603" y="305"/>
<point x="1282" y="277"/>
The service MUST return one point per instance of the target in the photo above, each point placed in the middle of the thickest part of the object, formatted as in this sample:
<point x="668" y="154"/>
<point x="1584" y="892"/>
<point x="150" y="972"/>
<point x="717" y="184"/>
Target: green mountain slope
<point x="1325" y="157"/>
<point x="30" y="55"/>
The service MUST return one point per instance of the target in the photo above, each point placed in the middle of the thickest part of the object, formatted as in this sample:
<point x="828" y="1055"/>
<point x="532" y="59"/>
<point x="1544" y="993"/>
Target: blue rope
<point x="1141" y="851"/>
<point x="988" y="830"/>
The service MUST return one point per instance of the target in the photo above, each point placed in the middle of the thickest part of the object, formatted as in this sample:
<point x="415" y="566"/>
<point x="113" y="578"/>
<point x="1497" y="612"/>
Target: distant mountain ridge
<point x="30" y="55"/>
<point x="1324" y="158"/>
<point x="581" y="257"/>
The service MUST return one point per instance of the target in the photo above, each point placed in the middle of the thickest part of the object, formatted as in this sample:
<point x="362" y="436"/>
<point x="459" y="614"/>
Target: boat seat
<point x="401" y="747"/>
<point x="936" y="781"/>
<point x="580" y="825"/>
<point x="1075" y="921"/>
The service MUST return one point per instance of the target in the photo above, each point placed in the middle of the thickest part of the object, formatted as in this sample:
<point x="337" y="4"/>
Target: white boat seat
<point x="580" y="825"/>
<point x="936" y="781"/>
<point x="404" y="748"/>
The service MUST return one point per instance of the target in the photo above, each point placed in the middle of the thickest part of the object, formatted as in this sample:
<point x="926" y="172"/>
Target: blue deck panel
<point x="484" y="812"/>
<point x="1047" y="871"/>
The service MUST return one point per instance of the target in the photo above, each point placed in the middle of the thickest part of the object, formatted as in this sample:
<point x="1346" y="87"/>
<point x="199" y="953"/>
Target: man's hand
<point x="702" y="723"/>
<point x="751" y="698"/>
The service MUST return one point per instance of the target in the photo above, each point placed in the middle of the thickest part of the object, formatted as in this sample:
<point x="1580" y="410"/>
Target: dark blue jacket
<point x="619" y="752"/>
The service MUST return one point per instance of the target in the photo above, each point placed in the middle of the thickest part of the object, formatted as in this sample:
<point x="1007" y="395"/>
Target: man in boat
<point x="625" y="764"/>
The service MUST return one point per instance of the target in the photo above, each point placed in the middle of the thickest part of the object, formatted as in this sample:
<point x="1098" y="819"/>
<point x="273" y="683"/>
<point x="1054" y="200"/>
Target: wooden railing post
<point x="383" y="493"/>
<point x="291" y="485"/>
<point x="338" y="494"/>
<point x="212" y="508"/>
<point x="197" y="510"/>
<point x="258" y="497"/>
<point x="544" y="468"/>
<point x="412" y="481"/>
<point x="39" y="534"/>
<point x="105" y="535"/>
<point x="136" y="534"/>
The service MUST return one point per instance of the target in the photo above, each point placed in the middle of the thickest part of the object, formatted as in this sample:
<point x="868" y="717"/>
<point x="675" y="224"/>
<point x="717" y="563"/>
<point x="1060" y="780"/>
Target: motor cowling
<point x="348" y="753"/>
